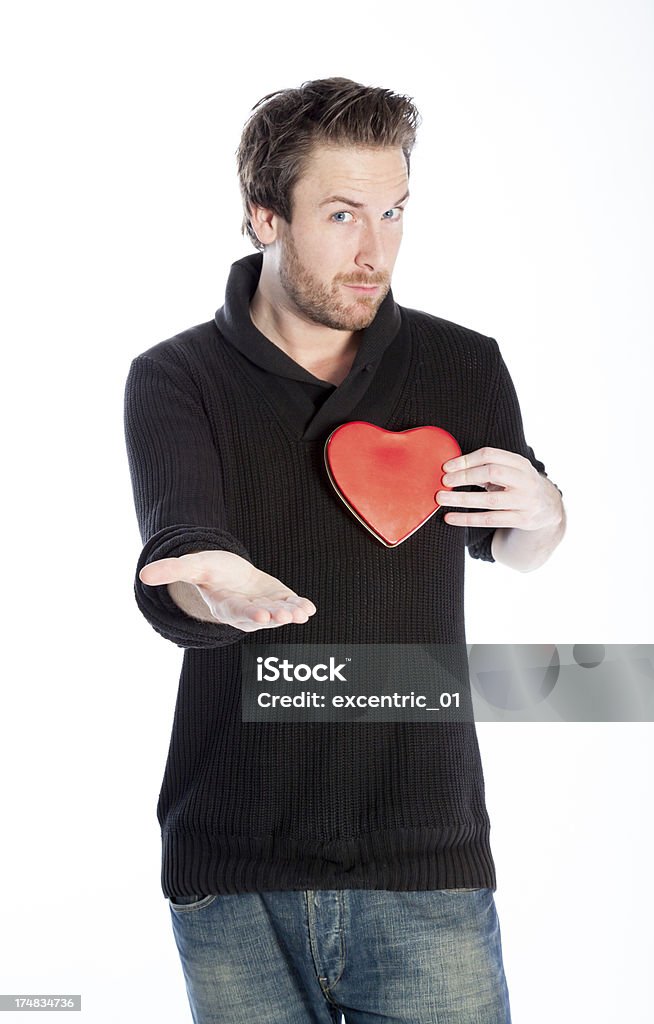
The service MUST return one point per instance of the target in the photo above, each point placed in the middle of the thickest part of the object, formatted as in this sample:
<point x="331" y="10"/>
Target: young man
<point x="320" y="866"/>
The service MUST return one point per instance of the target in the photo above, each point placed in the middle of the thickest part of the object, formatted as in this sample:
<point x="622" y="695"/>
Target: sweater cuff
<point x="478" y="541"/>
<point x="156" y="604"/>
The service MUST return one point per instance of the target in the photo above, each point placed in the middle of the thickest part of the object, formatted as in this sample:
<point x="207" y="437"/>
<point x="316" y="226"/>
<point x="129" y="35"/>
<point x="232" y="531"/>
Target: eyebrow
<point x="351" y="202"/>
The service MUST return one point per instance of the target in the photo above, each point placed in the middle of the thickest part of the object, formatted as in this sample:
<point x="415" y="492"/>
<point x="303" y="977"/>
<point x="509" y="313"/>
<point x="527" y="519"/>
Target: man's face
<point x="346" y="231"/>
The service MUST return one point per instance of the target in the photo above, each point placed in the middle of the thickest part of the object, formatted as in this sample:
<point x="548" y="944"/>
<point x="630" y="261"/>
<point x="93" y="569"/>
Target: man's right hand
<point x="234" y="591"/>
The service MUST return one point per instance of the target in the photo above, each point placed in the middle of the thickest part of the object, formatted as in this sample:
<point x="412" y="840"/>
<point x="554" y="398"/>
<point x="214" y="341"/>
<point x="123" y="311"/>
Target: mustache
<point x="366" y="282"/>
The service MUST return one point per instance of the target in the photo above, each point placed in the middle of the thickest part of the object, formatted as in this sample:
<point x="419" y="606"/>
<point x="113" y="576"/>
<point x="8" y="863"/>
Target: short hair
<point x="284" y="126"/>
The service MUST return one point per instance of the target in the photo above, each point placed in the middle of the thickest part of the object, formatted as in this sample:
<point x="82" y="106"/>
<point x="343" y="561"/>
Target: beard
<point x="323" y="305"/>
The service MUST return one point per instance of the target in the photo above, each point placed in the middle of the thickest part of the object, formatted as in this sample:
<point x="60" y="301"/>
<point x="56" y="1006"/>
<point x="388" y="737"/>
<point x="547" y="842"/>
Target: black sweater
<point x="225" y="436"/>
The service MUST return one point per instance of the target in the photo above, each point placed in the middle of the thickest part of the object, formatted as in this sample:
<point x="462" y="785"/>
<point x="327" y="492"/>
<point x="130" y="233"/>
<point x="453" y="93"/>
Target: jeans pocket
<point x="182" y="904"/>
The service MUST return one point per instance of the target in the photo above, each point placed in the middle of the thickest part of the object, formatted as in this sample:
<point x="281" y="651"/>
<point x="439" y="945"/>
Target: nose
<point x="370" y="255"/>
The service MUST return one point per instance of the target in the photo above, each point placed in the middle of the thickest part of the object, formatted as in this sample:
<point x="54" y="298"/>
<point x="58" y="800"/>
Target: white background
<point x="530" y="221"/>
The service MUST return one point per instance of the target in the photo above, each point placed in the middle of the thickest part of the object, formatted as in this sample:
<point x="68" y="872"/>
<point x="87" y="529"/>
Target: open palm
<point x="235" y="591"/>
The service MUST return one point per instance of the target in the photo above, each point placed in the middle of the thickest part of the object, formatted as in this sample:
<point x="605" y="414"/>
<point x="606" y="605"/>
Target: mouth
<point x="363" y="289"/>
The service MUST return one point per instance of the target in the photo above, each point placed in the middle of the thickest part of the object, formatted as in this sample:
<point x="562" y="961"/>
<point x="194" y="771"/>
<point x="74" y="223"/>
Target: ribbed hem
<point x="396" y="859"/>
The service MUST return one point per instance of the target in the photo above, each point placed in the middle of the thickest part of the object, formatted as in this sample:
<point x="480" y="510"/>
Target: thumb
<point x="170" y="570"/>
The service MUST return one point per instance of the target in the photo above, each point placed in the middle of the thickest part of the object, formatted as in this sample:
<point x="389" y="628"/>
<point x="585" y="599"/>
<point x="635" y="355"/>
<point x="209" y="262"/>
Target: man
<point x="320" y="866"/>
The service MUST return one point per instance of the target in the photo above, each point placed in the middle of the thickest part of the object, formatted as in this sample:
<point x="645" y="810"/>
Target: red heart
<point x="387" y="478"/>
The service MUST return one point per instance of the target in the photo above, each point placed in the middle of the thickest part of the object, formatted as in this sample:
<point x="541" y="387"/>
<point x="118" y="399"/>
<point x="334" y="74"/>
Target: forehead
<point x="331" y="168"/>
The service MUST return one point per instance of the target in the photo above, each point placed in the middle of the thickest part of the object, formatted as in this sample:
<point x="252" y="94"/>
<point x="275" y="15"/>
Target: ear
<point x="265" y="224"/>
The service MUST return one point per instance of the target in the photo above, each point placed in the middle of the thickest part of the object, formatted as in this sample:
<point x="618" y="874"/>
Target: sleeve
<point x="506" y="431"/>
<point x="176" y="478"/>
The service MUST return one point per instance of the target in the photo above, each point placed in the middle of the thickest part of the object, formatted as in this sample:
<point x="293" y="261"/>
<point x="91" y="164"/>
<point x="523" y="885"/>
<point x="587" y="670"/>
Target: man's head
<point x="324" y="172"/>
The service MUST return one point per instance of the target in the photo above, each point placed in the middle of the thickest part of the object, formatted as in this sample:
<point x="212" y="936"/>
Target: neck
<point x="303" y="340"/>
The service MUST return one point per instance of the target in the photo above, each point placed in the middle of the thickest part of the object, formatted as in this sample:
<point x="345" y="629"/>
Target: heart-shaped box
<point x="389" y="479"/>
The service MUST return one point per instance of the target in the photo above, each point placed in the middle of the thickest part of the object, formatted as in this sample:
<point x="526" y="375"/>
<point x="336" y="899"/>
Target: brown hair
<point x="284" y="126"/>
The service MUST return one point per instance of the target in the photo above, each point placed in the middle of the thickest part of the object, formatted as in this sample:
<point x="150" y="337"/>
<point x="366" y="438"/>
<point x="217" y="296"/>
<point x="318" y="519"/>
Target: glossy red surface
<point x="389" y="479"/>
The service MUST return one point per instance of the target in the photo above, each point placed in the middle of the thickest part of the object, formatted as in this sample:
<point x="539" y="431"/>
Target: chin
<point x="365" y="313"/>
<point x="358" y="323"/>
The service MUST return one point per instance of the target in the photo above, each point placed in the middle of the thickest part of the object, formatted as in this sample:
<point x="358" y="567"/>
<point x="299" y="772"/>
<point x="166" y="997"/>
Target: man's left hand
<point x="519" y="495"/>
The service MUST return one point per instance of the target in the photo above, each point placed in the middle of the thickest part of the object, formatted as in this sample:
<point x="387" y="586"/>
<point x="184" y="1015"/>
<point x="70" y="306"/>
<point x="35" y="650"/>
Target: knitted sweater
<point x="225" y="436"/>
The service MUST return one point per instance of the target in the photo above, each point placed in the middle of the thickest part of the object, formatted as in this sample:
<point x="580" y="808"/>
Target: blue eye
<point x="342" y="213"/>
<point x="399" y="211"/>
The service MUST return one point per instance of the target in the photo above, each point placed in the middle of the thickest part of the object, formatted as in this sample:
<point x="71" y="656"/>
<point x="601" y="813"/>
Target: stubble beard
<point x="322" y="305"/>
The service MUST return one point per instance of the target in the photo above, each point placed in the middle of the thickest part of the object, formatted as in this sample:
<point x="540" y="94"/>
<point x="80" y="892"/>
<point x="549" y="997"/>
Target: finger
<point x="292" y="609"/>
<point x="488" y="473"/>
<point x="474" y="499"/>
<point x="483" y="519"/>
<point x="282" y="599"/>
<point x="235" y="608"/>
<point x="279" y="615"/>
<point x="249" y="625"/>
<point x="483" y="456"/>
<point x="240" y="609"/>
<point x="303" y="603"/>
<point x="279" y="611"/>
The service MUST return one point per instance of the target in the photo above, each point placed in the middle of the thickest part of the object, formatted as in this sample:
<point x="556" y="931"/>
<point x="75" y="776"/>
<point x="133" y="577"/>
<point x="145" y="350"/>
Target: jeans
<point x="375" y="956"/>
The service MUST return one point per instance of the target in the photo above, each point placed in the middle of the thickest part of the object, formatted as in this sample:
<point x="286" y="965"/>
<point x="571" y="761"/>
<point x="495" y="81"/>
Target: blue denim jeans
<point x="372" y="956"/>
